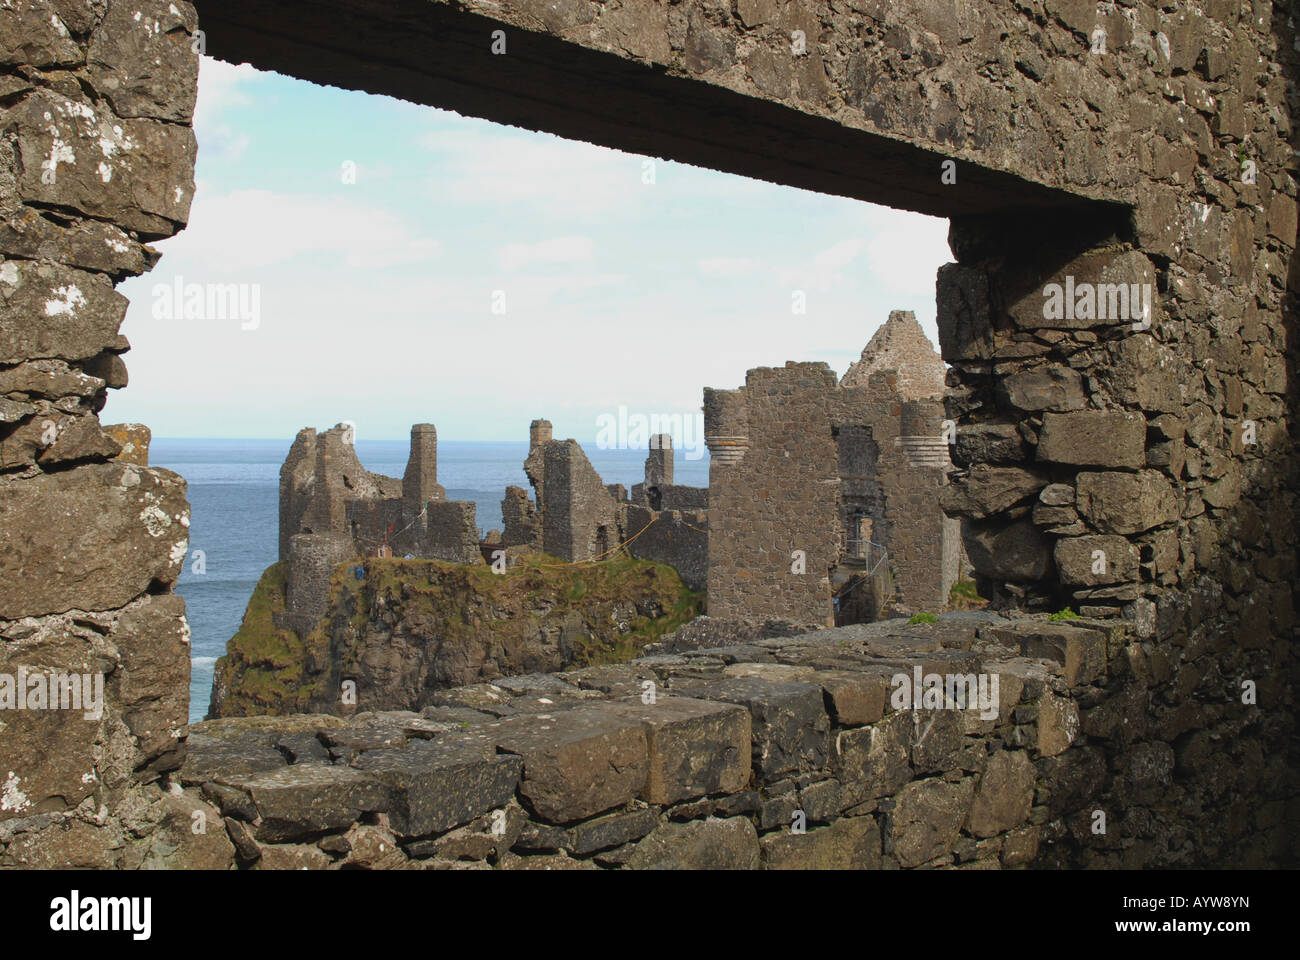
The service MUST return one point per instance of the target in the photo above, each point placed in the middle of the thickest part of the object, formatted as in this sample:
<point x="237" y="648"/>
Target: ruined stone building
<point x="576" y="516"/>
<point x="333" y="509"/>
<point x="821" y="489"/>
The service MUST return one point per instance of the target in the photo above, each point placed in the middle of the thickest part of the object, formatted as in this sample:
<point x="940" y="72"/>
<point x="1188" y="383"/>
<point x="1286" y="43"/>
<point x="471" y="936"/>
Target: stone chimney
<point x="659" y="461"/>
<point x="420" y="482"/>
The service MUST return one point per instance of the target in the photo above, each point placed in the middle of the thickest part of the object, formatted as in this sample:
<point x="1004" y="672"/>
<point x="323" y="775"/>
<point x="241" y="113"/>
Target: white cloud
<point x="222" y="89"/>
<point x="254" y="229"/>
<point x="825" y="270"/>
<point x="727" y="266"/>
<point x="557" y="250"/>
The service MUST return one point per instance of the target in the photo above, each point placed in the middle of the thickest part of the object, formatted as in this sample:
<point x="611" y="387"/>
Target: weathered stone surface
<point x="1147" y="373"/>
<point x="1020" y="847"/>
<point x="849" y="844"/>
<point x="1004" y="794"/>
<point x="990" y="490"/>
<point x="965" y="331"/>
<point x="1017" y="552"/>
<point x="107" y="532"/>
<point x="1090" y="561"/>
<point x="989" y="443"/>
<point x="208" y="758"/>
<point x="291" y="856"/>
<point x="694" y="747"/>
<point x="190" y="835"/>
<point x="1043" y="388"/>
<point x="300" y="801"/>
<point x="1126" y="503"/>
<point x="1093" y="290"/>
<point x="709" y="844"/>
<point x="874" y="761"/>
<point x="134" y="439"/>
<point x="31" y="34"/>
<point x="611" y="830"/>
<point x="790" y="727"/>
<point x="927" y="817"/>
<point x="88" y="244"/>
<point x="1081" y="652"/>
<point x="853" y="698"/>
<point x="153" y="640"/>
<point x="73" y="845"/>
<point x="1058" y="724"/>
<point x="127" y="49"/>
<point x="78" y="438"/>
<point x="149" y="164"/>
<point x="51" y="311"/>
<point x="1094" y="438"/>
<point x="440" y="784"/>
<point x="48" y="755"/>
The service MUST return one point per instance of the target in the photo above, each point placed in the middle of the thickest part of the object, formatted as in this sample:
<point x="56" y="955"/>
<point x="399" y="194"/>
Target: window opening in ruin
<point x="325" y="278"/>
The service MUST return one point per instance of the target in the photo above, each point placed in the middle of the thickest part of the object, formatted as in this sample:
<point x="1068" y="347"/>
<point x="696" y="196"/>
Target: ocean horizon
<point x="234" y="494"/>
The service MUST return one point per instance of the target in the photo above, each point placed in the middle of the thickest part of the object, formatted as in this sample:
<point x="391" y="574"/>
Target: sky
<point x="396" y="263"/>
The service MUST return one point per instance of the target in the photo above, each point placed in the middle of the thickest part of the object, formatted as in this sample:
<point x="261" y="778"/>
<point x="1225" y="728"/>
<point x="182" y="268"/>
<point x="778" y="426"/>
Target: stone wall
<point x="96" y="162"/>
<point x="578" y="517"/>
<point x="784" y="753"/>
<point x="815" y="485"/>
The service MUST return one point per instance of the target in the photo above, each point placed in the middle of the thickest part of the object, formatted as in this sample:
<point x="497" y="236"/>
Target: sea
<point x="234" y="493"/>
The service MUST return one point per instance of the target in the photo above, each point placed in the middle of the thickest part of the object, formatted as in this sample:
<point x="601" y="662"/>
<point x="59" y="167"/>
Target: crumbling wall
<point x="96" y="162"/>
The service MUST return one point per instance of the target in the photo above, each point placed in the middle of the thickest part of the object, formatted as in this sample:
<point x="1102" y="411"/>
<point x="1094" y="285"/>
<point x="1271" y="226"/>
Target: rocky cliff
<point x="405" y="629"/>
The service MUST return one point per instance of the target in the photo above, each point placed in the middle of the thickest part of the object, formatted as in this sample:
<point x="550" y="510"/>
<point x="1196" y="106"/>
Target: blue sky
<point x="375" y="297"/>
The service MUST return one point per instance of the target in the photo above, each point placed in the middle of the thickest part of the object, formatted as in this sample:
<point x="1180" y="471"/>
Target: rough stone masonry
<point x="1139" y="463"/>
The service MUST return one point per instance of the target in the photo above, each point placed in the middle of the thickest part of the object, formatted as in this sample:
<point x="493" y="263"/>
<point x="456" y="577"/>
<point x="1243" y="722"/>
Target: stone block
<point x="853" y="699"/>
<point x="93" y="538"/>
<point x="298" y="802"/>
<point x="928" y="815"/>
<point x="1043" y="388"/>
<point x="988" y="490"/>
<point x="440" y="784"/>
<point x="709" y="844"/>
<point x="874" y="761"/>
<point x="1126" y="503"/>
<point x="1090" y="561"/>
<point x="1016" y="552"/>
<point x="1094" y="438"/>
<point x="56" y="312"/>
<point x="576" y="762"/>
<point x="694" y="747"/>
<point x="790" y="727"/>
<point x="852" y="843"/>
<point x="1004" y="794"/>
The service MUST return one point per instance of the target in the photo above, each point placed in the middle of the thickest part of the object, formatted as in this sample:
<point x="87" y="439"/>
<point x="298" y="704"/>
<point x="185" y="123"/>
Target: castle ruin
<point x="874" y="535"/>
